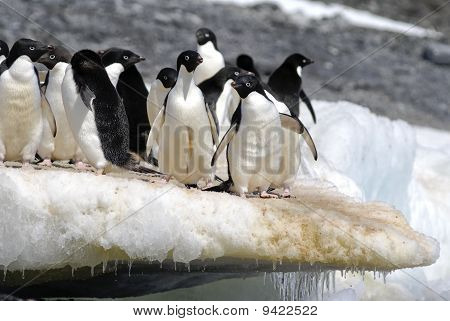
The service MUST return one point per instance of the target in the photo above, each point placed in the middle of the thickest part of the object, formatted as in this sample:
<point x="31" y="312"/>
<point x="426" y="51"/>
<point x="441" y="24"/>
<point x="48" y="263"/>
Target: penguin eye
<point x="186" y="58"/>
<point x="52" y="56"/>
<point x="206" y="35"/>
<point x="125" y="57"/>
<point x="304" y="60"/>
<point x="165" y="77"/>
<point x="248" y="84"/>
<point x="236" y="73"/>
<point x="32" y="48"/>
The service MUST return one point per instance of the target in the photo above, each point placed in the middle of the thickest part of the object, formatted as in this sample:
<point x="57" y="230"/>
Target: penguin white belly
<point x="226" y="105"/>
<point x="290" y="159"/>
<point x="114" y="70"/>
<point x="20" y="112"/>
<point x="213" y="61"/>
<point x="185" y="140"/>
<point x="155" y="100"/>
<point x="82" y="123"/>
<point x="65" y="144"/>
<point x="254" y="153"/>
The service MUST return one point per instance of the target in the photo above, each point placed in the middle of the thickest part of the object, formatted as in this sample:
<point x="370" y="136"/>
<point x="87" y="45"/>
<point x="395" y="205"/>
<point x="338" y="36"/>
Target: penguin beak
<point x="234" y="85"/>
<point x="50" y="47"/>
<point x="199" y="60"/>
<point x="141" y="58"/>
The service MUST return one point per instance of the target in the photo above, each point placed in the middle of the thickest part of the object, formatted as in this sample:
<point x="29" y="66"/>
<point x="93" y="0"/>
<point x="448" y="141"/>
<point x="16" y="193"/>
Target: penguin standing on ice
<point x="185" y="128"/>
<point x="159" y="89"/>
<point x="213" y="59"/>
<point x="65" y="145"/>
<point x="286" y="83"/>
<point x="4" y="50"/>
<point x="96" y="114"/>
<point x="20" y="104"/>
<point x="245" y="62"/>
<point x="121" y="68"/>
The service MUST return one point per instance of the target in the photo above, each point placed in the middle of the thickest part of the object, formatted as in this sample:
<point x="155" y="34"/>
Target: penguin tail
<point x="137" y="164"/>
<point x="222" y="187"/>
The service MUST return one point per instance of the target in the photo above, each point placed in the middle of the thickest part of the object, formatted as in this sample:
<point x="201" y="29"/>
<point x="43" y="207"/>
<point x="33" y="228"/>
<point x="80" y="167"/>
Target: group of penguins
<point x="94" y="108"/>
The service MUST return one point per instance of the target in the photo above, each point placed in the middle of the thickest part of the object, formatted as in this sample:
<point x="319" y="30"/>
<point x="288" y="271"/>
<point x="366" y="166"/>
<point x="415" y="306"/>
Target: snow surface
<point x="361" y="18"/>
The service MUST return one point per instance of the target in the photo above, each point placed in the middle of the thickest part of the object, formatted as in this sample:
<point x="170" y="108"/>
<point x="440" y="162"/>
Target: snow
<point x="53" y="218"/>
<point x="360" y="18"/>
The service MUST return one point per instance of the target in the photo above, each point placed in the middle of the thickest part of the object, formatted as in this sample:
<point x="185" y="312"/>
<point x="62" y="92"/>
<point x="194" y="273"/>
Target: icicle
<point x="104" y="263"/>
<point x="92" y="270"/>
<point x="189" y="267"/>
<point x="130" y="263"/>
<point x="265" y="275"/>
<point x="274" y="266"/>
<point x="115" y="267"/>
<point x="73" y="271"/>
<point x="5" y="270"/>
<point x="175" y="265"/>
<point x="23" y="273"/>
<point x="257" y="263"/>
<point x="161" y="265"/>
<point x="385" y="273"/>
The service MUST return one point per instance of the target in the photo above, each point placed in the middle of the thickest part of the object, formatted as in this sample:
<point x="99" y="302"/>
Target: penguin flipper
<point x="48" y="114"/>
<point x="212" y="123"/>
<point x="224" y="143"/>
<point x="306" y="100"/>
<point x="154" y="131"/>
<point x="294" y="124"/>
<point x="88" y="96"/>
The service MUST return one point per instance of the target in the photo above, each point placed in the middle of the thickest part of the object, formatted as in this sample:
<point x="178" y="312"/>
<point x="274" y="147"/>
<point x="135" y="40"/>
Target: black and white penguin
<point x="121" y="67"/>
<point x="286" y="83"/>
<point x="245" y="62"/>
<point x="253" y="140"/>
<point x="21" y="120"/>
<point x="4" y="50"/>
<point x="213" y="59"/>
<point x="220" y="97"/>
<point x="185" y="128"/>
<point x="96" y="114"/>
<point x="160" y="87"/>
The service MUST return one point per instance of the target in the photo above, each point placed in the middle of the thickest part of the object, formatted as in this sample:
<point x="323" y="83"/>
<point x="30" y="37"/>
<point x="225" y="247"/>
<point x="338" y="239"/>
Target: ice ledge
<point x="48" y="216"/>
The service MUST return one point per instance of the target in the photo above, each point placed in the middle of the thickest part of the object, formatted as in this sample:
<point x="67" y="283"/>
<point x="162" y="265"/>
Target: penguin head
<point x="298" y="60"/>
<point x="168" y="77"/>
<point x="52" y="57"/>
<point x="245" y="62"/>
<point x="189" y="59"/>
<point x="4" y="49"/>
<point x="86" y="60"/>
<point x="27" y="47"/>
<point x="204" y="35"/>
<point x="126" y="58"/>
<point x="232" y="72"/>
<point x="247" y="83"/>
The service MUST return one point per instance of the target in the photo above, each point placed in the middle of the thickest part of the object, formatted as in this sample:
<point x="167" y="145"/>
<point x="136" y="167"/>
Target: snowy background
<point x="403" y="160"/>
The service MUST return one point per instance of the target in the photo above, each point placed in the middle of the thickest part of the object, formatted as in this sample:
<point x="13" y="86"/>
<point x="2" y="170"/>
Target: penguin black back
<point x="245" y="62"/>
<point x="286" y="82"/>
<point x="99" y="95"/>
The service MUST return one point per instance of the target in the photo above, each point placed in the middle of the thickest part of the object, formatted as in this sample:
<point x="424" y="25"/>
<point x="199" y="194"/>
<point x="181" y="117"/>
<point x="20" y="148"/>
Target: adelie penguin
<point x="20" y="105"/>
<point x="96" y="114"/>
<point x="220" y="97"/>
<point x="245" y="62"/>
<point x="65" y="147"/>
<point x="4" y="50"/>
<point x="213" y="59"/>
<point x="159" y="89"/>
<point x="185" y="128"/>
<point x="121" y="67"/>
<point x="286" y="83"/>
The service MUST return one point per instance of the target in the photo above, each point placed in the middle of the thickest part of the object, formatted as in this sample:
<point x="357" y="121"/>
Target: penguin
<point x="286" y="83"/>
<point x="290" y="148"/>
<point x="254" y="141"/>
<point x="21" y="120"/>
<point x="121" y="67"/>
<point x="245" y="62"/>
<point x="4" y="50"/>
<point x="65" y="145"/>
<point x="185" y="128"/>
<point x="96" y="114"/>
<point x="159" y="89"/>
<point x="213" y="59"/>
<point x="220" y="96"/>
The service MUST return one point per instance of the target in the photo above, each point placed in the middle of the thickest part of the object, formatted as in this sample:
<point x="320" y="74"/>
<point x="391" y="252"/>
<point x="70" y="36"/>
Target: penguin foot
<point x="189" y="186"/>
<point x="167" y="178"/>
<point x="2" y="164"/>
<point x="268" y="195"/>
<point x="27" y="166"/>
<point x="46" y="162"/>
<point x="286" y="193"/>
<point x="81" y="166"/>
<point x="100" y="171"/>
<point x="243" y="195"/>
